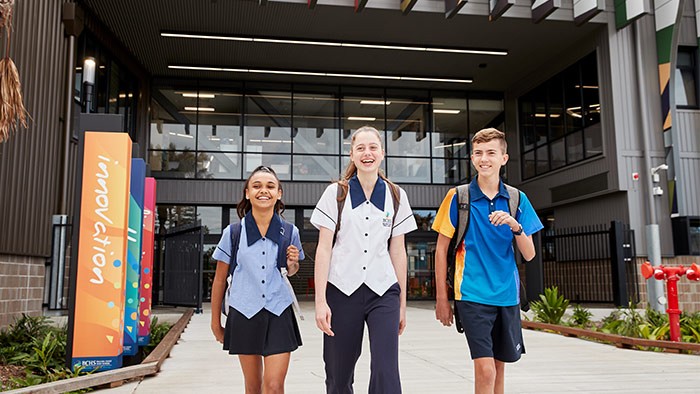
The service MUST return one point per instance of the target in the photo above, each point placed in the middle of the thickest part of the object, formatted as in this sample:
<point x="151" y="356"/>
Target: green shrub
<point x="690" y="327"/>
<point x="625" y="321"/>
<point x="550" y="307"/>
<point x="158" y="332"/>
<point x="581" y="317"/>
<point x="19" y="336"/>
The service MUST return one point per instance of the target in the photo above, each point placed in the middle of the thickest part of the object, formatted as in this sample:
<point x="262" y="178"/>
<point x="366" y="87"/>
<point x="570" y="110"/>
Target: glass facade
<point x="560" y="120"/>
<point x="115" y="90"/>
<point x="304" y="132"/>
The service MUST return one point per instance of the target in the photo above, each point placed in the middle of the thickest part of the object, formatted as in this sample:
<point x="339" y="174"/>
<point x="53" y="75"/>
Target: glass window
<point x="407" y="123"/>
<point x="529" y="164"/>
<point x="219" y="126"/>
<point x="307" y="220"/>
<point x="408" y="170"/>
<point x="542" y="159"/>
<point x="289" y="215"/>
<point x="280" y="163"/>
<point x="424" y="218"/>
<point x="450" y="127"/>
<point x="211" y="165"/>
<point x="316" y="123"/>
<point x="557" y="113"/>
<point x="173" y="121"/>
<point x="686" y="78"/>
<point x="483" y="112"/>
<point x="450" y="171"/>
<point x="574" y="147"/>
<point x="527" y="122"/>
<point x="315" y="168"/>
<point x="572" y="99"/>
<point x="362" y="107"/>
<point x="169" y="217"/>
<point x="210" y="218"/>
<point x="593" y="140"/>
<point x="558" y="154"/>
<point x="561" y="118"/>
<point x="268" y="122"/>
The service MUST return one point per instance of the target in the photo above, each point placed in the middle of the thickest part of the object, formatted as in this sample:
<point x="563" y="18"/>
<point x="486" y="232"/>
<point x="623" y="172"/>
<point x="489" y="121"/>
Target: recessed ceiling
<point x="138" y="24"/>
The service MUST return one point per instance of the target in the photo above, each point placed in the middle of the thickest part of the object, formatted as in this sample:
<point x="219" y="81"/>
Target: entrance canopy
<point x="288" y="42"/>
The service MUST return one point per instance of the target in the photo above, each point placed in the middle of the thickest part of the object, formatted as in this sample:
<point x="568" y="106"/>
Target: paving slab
<point x="433" y="359"/>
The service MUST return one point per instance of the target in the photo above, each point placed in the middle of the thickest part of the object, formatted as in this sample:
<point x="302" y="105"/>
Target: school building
<point x="598" y="98"/>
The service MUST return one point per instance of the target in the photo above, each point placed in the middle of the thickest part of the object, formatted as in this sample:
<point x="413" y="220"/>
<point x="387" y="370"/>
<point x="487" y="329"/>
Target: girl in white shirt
<point x="362" y="276"/>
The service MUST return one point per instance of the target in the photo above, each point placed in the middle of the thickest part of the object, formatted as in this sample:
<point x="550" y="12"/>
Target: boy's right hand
<point x="443" y="312"/>
<point x="323" y="318"/>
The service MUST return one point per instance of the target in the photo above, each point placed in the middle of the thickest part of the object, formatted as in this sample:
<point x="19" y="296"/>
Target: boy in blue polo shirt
<point x="486" y="278"/>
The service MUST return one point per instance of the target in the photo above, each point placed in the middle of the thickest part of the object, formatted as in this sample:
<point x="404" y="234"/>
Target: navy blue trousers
<point x="341" y="352"/>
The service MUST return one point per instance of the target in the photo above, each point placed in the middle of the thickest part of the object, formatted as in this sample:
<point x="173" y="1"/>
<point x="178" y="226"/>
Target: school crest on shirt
<point x="386" y="221"/>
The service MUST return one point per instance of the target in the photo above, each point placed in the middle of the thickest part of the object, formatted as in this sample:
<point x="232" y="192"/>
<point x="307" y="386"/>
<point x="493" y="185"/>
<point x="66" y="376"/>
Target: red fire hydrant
<point x="672" y="275"/>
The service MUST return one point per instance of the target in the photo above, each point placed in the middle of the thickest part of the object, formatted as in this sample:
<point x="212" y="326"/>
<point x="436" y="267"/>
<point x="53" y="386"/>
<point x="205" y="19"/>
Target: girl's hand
<point x="292" y="260"/>
<point x="218" y="331"/>
<point x="323" y="318"/>
<point x="402" y="320"/>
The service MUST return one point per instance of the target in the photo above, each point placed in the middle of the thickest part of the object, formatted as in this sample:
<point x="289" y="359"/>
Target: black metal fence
<point x="592" y="264"/>
<point x="182" y="267"/>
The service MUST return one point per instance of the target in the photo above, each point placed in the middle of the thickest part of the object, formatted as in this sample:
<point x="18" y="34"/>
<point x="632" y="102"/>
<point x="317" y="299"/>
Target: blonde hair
<point x="351" y="169"/>
<point x="490" y="134"/>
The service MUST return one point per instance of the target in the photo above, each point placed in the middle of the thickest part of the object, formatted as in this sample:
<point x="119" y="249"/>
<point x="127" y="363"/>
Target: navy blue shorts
<point x="263" y="334"/>
<point x="492" y="331"/>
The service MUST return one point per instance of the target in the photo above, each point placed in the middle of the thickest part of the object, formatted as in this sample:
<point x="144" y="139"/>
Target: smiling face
<point x="367" y="153"/>
<point x="488" y="158"/>
<point x="263" y="190"/>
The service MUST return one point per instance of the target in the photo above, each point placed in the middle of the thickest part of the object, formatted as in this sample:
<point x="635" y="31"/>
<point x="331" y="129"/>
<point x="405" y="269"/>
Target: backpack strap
<point x="340" y="198"/>
<point x="463" y="212"/>
<point x="514" y="200"/>
<point x="396" y="200"/>
<point x="287" y="230"/>
<point x="235" y="238"/>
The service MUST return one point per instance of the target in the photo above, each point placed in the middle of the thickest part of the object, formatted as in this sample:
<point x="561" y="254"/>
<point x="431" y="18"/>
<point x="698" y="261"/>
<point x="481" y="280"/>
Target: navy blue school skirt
<point x="263" y="334"/>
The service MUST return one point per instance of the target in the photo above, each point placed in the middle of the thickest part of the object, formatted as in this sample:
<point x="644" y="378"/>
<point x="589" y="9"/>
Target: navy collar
<point x="274" y="231"/>
<point x="475" y="192"/>
<point x="357" y="195"/>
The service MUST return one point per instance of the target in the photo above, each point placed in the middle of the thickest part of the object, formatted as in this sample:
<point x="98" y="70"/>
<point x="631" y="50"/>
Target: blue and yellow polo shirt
<point x="485" y="270"/>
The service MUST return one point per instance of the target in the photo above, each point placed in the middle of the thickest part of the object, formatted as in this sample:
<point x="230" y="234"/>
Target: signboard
<point x="97" y="314"/>
<point x="133" y="257"/>
<point x="149" y="207"/>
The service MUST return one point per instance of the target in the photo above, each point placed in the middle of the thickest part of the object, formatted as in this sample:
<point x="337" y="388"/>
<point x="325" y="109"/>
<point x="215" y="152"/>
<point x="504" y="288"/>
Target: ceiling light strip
<point x="318" y="74"/>
<point x="467" y="51"/>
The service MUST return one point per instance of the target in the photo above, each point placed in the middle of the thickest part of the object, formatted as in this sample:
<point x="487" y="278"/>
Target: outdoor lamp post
<point x="655" y="288"/>
<point x="88" y="82"/>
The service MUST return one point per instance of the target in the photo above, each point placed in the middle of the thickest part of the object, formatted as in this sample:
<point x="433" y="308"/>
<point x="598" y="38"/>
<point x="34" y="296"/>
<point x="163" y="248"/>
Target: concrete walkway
<point x="434" y="359"/>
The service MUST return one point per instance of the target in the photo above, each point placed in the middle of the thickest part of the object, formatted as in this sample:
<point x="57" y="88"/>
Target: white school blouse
<point x="360" y="253"/>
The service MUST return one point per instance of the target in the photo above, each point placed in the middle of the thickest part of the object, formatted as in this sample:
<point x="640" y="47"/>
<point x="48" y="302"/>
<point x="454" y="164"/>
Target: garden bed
<point x="150" y="366"/>
<point x="617" y="340"/>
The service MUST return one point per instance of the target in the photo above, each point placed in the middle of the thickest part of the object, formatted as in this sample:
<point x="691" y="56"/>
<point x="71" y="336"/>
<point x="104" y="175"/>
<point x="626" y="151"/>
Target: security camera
<point x="660" y="167"/>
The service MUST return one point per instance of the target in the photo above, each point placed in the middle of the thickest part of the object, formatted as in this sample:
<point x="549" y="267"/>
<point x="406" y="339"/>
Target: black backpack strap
<point x="396" y="200"/>
<point x="286" y="232"/>
<point x="235" y="238"/>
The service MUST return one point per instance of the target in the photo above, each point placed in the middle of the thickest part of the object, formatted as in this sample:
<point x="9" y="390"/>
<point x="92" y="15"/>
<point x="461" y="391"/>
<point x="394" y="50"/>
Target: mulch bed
<point x="7" y="372"/>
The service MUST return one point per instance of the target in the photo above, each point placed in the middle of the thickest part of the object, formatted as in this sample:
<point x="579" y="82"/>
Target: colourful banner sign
<point x="133" y="257"/>
<point x="98" y="313"/>
<point x="149" y="223"/>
